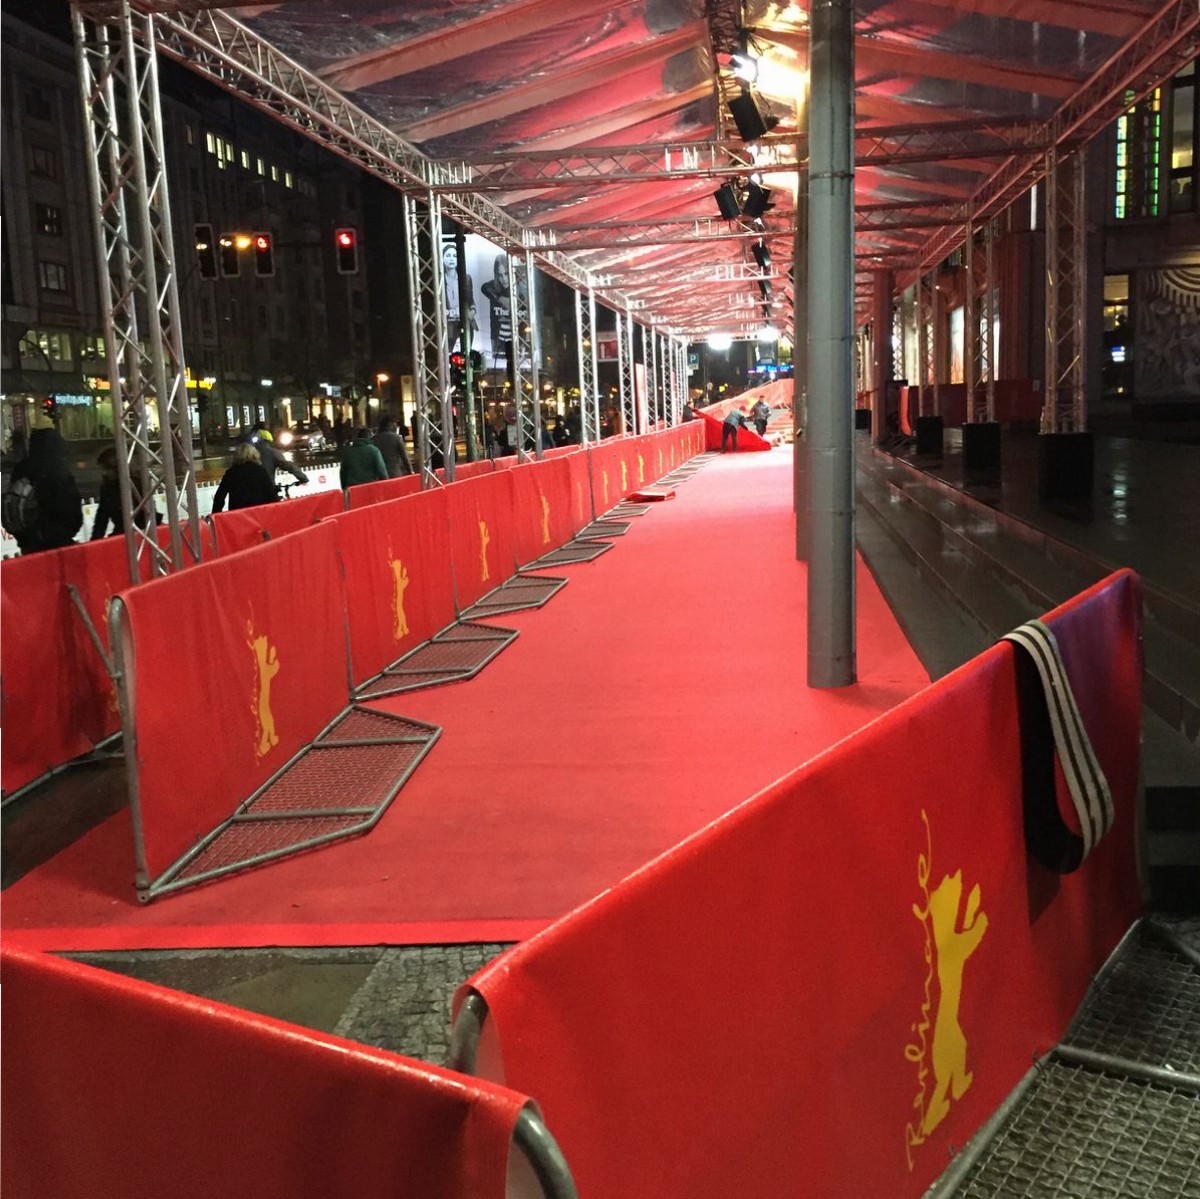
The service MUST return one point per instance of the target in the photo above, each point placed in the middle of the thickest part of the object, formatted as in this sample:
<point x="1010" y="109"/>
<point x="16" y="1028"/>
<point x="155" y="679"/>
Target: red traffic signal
<point x="345" y="242"/>
<point x="457" y="360"/>
<point x="264" y="254"/>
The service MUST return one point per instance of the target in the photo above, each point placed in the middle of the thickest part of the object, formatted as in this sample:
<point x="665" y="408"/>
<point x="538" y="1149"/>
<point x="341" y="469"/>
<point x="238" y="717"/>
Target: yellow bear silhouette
<point x="955" y="944"/>
<point x="400" y="574"/>
<point x="484" y="539"/>
<point x="545" y="520"/>
<point x="267" y="664"/>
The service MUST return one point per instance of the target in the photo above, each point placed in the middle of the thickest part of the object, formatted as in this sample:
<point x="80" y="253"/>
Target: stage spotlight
<point x="761" y="255"/>
<point x="764" y="286"/>
<point x="752" y="123"/>
<point x="727" y="201"/>
<point x="758" y="200"/>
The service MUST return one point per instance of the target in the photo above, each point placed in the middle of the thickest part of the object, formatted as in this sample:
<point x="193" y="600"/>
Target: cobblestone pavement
<point x="393" y="998"/>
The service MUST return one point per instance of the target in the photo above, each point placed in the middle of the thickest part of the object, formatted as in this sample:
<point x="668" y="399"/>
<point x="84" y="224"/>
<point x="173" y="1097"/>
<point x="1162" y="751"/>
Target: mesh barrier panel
<point x="359" y="723"/>
<point x="240" y="844"/>
<point x="573" y="551"/>
<point x="523" y="591"/>
<point x="1146" y="1009"/>
<point x="1080" y="1133"/>
<point x="605" y="528"/>
<point x="339" y="776"/>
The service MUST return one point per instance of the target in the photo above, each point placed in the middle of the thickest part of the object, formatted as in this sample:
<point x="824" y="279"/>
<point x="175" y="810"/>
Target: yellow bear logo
<point x="604" y="479"/>
<point x="949" y="942"/>
<point x="484" y="540"/>
<point x="641" y="469"/>
<point x="545" y="520"/>
<point x="266" y="661"/>
<point x="400" y="578"/>
<point x="624" y="476"/>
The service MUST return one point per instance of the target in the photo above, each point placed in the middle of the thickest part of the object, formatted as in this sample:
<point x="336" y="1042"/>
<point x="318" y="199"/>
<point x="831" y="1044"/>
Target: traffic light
<point x="206" y="251"/>
<point x="476" y="361"/>
<point x="228" y="253"/>
<point x="50" y="408"/>
<point x="457" y="368"/>
<point x="345" y="242"/>
<point x="264" y="254"/>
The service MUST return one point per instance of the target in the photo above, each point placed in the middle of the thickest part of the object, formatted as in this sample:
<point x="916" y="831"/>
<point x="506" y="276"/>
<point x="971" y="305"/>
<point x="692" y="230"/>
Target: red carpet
<point x="663" y="685"/>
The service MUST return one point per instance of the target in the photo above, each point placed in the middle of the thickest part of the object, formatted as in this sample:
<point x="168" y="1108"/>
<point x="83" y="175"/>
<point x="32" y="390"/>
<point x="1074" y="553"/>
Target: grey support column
<point x="928" y="425"/>
<point x="831" y="633"/>
<point x="139" y="292"/>
<point x="981" y="433"/>
<point x="800" y="361"/>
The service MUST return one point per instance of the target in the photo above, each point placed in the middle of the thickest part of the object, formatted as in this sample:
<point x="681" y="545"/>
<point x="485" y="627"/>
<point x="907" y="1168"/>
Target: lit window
<point x="274" y="173"/>
<point x="1139" y="145"/>
<point x="287" y="178"/>
<point x="261" y="169"/>
<point x="48" y="220"/>
<point x="211" y="143"/>
<point x="245" y="160"/>
<point x="52" y="276"/>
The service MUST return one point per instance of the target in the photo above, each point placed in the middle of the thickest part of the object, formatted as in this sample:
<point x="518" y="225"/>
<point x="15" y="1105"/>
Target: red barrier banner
<point x="614" y="473"/>
<point x="41" y="656"/>
<point x="543" y="508"/>
<point x="560" y="451"/>
<point x="363" y="494"/>
<point x="399" y="589"/>
<point x="168" y="1094"/>
<point x="832" y="986"/>
<point x="506" y="461"/>
<point x="246" y="527"/>
<point x="483" y="544"/>
<point x="236" y="664"/>
<point x="468" y="470"/>
<point x="579" y="475"/>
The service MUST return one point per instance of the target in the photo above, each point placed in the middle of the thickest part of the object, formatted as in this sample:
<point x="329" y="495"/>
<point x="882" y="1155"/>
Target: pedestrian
<point x="362" y="462"/>
<point x="391" y="445"/>
<point x="729" y="429"/>
<point x="42" y="507"/>
<point x="760" y="414"/>
<point x="108" y="502"/>
<point x="272" y="460"/>
<point x="246" y="483"/>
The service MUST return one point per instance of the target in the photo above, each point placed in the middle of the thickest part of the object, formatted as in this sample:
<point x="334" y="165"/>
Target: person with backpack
<point x="42" y="507"/>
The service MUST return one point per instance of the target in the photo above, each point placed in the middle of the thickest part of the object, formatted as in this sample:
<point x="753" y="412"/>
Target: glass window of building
<point x="45" y="350"/>
<point x="245" y="160"/>
<point x="38" y="106"/>
<point x="48" y="220"/>
<point x="1139" y="162"/>
<point x="1185" y="111"/>
<point x="52" y="276"/>
<point x="274" y="173"/>
<point x="43" y="161"/>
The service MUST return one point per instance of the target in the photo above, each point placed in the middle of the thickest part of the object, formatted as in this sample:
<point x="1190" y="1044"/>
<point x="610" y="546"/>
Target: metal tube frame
<point x="987" y="320"/>
<point x="585" y="311"/>
<point x="970" y="328"/>
<point x="524" y="343"/>
<point x="431" y="366"/>
<point x="1064" y="408"/>
<point x="624" y="374"/>
<point x="139" y="294"/>
<point x="924" y="341"/>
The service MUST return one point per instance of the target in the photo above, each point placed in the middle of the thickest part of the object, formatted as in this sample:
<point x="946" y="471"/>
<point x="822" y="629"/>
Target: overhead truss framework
<point x="578" y="192"/>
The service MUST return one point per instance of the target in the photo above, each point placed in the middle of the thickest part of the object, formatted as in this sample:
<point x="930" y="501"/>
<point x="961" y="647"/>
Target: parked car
<point x="304" y="438"/>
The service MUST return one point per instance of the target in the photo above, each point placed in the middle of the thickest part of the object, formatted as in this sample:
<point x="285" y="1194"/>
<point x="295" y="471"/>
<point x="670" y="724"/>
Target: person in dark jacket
<point x="391" y="445"/>
<point x="245" y="483"/>
<point x="59" y="514"/>
<point x="362" y="462"/>
<point x="760" y="414"/>
<point x="108" y="503"/>
<point x="272" y="459"/>
<point x="729" y="428"/>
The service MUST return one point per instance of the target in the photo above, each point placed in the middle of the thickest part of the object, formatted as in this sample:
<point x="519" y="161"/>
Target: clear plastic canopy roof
<point x="603" y="130"/>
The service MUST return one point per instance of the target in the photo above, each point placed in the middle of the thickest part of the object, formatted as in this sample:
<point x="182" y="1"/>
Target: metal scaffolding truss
<point x="431" y="366"/>
<point x="653" y="391"/>
<point x="623" y="235"/>
<point x="139" y="294"/>
<point x="589" y="400"/>
<point x="223" y="50"/>
<point x="625" y="372"/>
<point x="926" y="364"/>
<point x="1064" y="410"/>
<point x="1167" y="42"/>
<point x="611" y="165"/>
<point x="522" y="284"/>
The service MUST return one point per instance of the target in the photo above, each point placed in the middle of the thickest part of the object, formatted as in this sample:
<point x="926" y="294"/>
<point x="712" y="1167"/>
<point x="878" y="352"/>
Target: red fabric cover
<point x="758" y="1011"/>
<point x="560" y="451"/>
<point x="506" y="461"/>
<point x="362" y="494"/>
<point x="483" y="545"/>
<point x="544" y="519"/>
<point x="393" y="608"/>
<point x="247" y="527"/>
<point x="204" y="734"/>
<point x="116" y="1088"/>
<point x="747" y="438"/>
